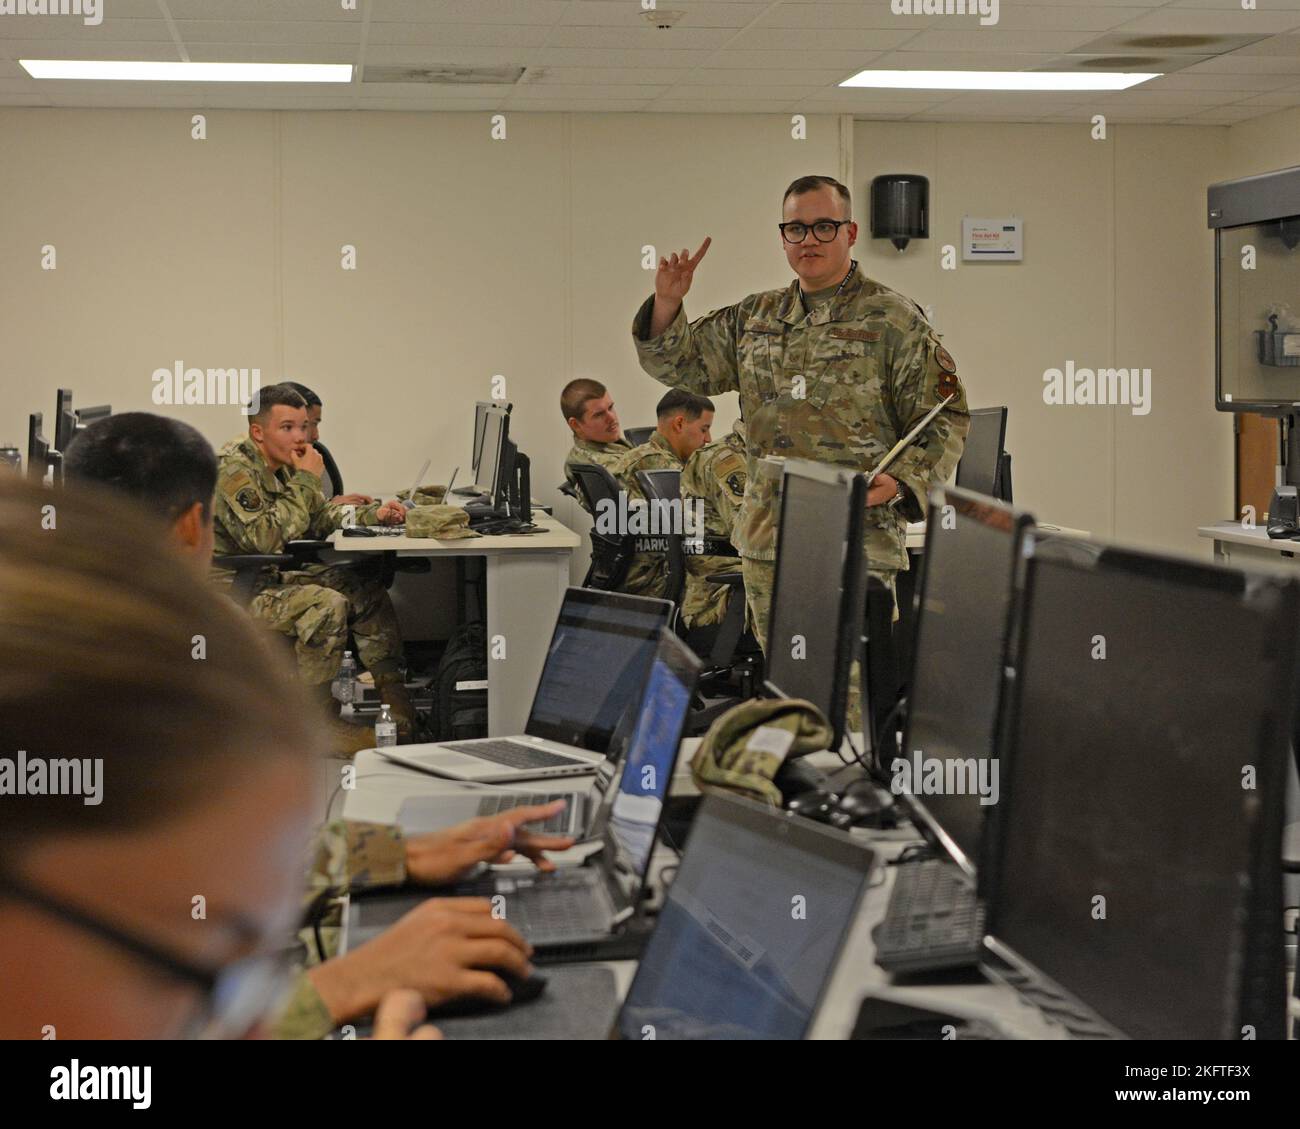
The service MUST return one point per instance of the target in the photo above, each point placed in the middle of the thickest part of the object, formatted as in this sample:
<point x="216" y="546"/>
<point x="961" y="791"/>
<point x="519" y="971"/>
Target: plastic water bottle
<point x="385" y="729"/>
<point x="344" y="685"/>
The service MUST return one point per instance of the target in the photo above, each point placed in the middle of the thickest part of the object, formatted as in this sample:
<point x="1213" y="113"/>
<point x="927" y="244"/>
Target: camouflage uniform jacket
<point x="839" y="385"/>
<point x="715" y="476"/>
<point x="648" y="574"/>
<point x="257" y="510"/>
<point x="585" y="451"/>
<point x="345" y="856"/>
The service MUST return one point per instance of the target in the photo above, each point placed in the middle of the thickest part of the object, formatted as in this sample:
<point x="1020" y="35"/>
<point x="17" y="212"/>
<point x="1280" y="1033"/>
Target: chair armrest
<point x="730" y="579"/>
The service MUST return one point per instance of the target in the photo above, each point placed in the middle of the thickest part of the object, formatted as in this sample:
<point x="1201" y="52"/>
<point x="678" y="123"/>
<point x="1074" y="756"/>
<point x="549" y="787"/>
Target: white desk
<point x="1232" y="544"/>
<point x="526" y="578"/>
<point x="915" y="539"/>
<point x="381" y="786"/>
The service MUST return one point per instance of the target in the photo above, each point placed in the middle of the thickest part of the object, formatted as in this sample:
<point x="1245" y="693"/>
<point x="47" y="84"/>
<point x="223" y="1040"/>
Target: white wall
<point x="523" y="257"/>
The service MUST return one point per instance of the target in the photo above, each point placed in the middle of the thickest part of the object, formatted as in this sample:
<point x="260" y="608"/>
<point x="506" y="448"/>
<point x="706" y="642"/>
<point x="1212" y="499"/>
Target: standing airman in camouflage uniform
<point x="598" y="440"/>
<point x="715" y="476"/>
<point x="683" y="427"/>
<point x="835" y="368"/>
<point x="269" y="493"/>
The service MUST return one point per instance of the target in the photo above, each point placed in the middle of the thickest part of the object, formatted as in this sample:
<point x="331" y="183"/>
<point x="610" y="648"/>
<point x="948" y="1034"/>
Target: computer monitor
<point x="65" y="420"/>
<point x="595" y="666"/>
<point x="815" y="629"/>
<point x="68" y="423"/>
<point x="732" y="956"/>
<point x="1135" y="861"/>
<point x="631" y="812"/>
<point x="480" y="420"/>
<point x="985" y="467"/>
<point x="492" y="451"/>
<point x="41" y="459"/>
<point x="975" y="552"/>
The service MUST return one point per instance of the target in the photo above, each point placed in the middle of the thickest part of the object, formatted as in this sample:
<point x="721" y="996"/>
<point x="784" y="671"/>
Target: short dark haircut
<point x="577" y="394"/>
<point x="273" y="394"/>
<point x="678" y="402"/>
<point x="313" y="401"/>
<point x="163" y="464"/>
<point x="812" y="183"/>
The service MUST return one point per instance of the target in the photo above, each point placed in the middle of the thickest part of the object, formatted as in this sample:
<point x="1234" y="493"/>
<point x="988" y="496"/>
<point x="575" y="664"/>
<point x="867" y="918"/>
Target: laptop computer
<point x="581" y="906"/>
<point x="751" y="929"/>
<point x="421" y="814"/>
<point x="947" y="773"/>
<point x="1133" y="880"/>
<point x="596" y="663"/>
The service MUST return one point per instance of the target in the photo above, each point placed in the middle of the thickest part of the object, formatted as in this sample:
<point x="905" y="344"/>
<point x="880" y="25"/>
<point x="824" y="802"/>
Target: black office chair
<point x="638" y="435"/>
<point x="611" y="553"/>
<point x="248" y="566"/>
<point x="331" y="467"/>
<point x="733" y="661"/>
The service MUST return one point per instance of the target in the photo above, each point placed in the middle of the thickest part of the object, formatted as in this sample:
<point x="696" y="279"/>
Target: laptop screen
<point x="596" y="664"/>
<point x="637" y="803"/>
<point x="1147" y="742"/>
<point x="816" y="600"/>
<point x="751" y="928"/>
<point x="972" y="550"/>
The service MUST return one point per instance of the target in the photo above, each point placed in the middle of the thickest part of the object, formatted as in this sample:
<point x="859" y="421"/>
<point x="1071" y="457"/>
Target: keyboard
<point x="551" y="908"/>
<point x="934" y="920"/>
<point x="512" y="754"/>
<point x="556" y="825"/>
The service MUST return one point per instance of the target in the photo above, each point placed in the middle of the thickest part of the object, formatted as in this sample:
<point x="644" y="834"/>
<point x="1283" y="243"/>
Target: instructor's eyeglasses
<point x="823" y="230"/>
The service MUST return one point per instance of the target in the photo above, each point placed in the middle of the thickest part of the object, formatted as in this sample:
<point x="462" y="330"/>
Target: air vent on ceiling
<point x="437" y="75"/>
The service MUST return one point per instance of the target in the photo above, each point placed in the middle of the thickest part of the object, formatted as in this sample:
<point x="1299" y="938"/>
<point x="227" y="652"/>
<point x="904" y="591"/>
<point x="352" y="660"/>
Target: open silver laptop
<point x="585" y="904"/>
<point x="597" y="663"/>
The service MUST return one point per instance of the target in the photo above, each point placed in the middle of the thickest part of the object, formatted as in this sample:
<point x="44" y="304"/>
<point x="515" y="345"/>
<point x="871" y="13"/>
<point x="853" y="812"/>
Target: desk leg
<point x="524" y="593"/>
<point x="1222" y="554"/>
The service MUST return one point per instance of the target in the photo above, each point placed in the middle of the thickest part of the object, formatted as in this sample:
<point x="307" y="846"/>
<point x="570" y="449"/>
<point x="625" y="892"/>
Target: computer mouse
<point x="816" y="805"/>
<point x="523" y="991"/>
<point x="360" y="531"/>
<point x="864" y="804"/>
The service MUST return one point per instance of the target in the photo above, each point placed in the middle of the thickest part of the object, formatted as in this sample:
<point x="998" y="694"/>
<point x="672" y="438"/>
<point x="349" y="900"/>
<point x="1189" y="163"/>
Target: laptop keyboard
<point x="556" y="825"/>
<point x="555" y="907"/>
<point x="934" y="920"/>
<point x="511" y="754"/>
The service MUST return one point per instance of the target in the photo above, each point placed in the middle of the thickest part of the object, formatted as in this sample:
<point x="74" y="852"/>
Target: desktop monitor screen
<point x="817" y="593"/>
<point x="981" y="459"/>
<point x="751" y="928"/>
<point x="595" y="665"/>
<point x="636" y="804"/>
<point x="496" y="433"/>
<point x="1144" y="752"/>
<point x="479" y="473"/>
<point x="974" y="550"/>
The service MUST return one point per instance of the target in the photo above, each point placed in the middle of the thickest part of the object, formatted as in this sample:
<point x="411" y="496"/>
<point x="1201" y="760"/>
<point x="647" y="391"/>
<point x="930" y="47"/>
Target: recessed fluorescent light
<point x="994" y="80"/>
<point x="108" y="70"/>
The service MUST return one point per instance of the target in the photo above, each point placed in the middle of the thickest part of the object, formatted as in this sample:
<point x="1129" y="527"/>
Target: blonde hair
<point x="113" y="647"/>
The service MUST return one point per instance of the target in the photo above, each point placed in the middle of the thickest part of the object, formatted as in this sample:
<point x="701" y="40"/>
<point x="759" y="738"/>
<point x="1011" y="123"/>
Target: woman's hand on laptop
<point x="445" y="856"/>
<point x="391" y="513"/>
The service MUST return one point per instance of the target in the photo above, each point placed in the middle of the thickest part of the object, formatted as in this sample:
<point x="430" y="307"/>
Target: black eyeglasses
<point x="236" y="995"/>
<point x="823" y="230"/>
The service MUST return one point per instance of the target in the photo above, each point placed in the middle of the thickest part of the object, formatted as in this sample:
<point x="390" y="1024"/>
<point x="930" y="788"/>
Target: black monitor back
<point x="816" y="624"/>
<point x="974" y="565"/>
<point x="984" y="466"/>
<point x="1135" y="854"/>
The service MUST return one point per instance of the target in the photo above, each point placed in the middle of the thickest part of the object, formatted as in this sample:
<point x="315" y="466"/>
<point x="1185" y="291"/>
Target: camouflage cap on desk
<point x="746" y="746"/>
<point x="446" y="523"/>
<point x="425" y="495"/>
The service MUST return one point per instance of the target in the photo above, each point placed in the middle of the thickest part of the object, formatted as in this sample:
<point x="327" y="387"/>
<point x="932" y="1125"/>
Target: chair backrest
<point x="638" y="435"/>
<point x="611" y="553"/>
<point x="666" y="486"/>
<point x="331" y="468"/>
